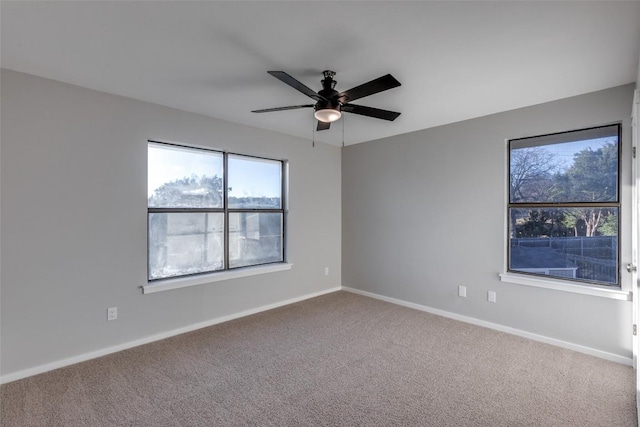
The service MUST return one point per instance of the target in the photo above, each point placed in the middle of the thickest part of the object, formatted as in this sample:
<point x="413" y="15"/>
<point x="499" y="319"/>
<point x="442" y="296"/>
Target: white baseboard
<point x="535" y="337"/>
<point x="113" y="349"/>
<point x="157" y="337"/>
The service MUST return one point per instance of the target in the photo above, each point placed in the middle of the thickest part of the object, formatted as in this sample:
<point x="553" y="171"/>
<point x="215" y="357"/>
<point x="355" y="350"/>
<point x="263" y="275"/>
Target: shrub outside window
<point x="564" y="205"/>
<point x="210" y="211"/>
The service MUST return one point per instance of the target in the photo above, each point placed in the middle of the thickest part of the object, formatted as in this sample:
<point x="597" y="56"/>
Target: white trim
<point x="183" y="282"/>
<point x="623" y="293"/>
<point x="540" y="282"/>
<point x="113" y="349"/>
<point x="163" y="335"/>
<point x="535" y="337"/>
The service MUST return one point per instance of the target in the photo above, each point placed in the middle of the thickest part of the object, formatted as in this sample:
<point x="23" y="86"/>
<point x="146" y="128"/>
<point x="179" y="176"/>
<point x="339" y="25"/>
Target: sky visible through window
<point x="249" y="179"/>
<point x="564" y="152"/>
<point x="574" y="235"/>
<point x="253" y="177"/>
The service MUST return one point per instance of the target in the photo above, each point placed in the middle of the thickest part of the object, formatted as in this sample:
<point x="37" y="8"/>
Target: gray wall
<point x="421" y="214"/>
<point x="424" y="212"/>
<point x="73" y="175"/>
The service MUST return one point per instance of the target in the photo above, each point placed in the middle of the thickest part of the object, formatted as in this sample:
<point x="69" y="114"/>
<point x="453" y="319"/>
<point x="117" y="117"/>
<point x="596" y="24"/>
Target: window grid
<point x="225" y="211"/>
<point x="569" y="205"/>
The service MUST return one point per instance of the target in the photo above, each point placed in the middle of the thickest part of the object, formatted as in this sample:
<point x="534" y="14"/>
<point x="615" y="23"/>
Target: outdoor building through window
<point x="564" y="205"/>
<point x="210" y="211"/>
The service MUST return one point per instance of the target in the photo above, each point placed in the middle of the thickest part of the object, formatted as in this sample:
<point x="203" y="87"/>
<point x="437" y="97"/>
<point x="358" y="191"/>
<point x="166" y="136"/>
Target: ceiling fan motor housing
<point x="328" y="92"/>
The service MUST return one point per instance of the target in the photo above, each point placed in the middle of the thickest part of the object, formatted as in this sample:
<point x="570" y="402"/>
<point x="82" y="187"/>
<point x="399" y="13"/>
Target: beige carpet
<point x="336" y="360"/>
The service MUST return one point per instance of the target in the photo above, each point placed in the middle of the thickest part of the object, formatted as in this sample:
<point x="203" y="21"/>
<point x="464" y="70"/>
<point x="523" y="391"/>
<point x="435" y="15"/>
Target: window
<point x="211" y="211"/>
<point x="564" y="205"/>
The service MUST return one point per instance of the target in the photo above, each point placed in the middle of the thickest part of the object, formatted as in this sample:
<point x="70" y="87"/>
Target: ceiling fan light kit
<point x="328" y="115"/>
<point x="330" y="103"/>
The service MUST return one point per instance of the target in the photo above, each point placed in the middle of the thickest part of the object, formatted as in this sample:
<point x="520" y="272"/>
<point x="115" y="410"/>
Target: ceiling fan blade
<point x="292" y="107"/>
<point x="323" y="125"/>
<point x="374" y="86"/>
<point x="287" y="79"/>
<point x="370" y="112"/>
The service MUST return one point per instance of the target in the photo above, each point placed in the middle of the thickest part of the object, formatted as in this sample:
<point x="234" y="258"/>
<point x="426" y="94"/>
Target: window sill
<point x="559" y="285"/>
<point x="183" y="282"/>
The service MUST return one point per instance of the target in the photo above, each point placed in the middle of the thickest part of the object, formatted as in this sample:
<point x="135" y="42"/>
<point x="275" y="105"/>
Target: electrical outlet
<point x="112" y="313"/>
<point x="326" y="271"/>
<point x="462" y="291"/>
<point x="491" y="296"/>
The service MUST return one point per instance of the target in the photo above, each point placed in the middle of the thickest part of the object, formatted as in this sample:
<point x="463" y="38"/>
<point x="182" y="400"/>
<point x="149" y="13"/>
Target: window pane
<point x="551" y="171"/>
<point x="185" y="243"/>
<point x="180" y="177"/>
<point x="254" y="238"/>
<point x="254" y="183"/>
<point x="574" y="243"/>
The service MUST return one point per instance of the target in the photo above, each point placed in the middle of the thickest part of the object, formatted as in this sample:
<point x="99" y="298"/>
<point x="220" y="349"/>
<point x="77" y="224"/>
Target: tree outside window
<point x="564" y="205"/>
<point x="210" y="211"/>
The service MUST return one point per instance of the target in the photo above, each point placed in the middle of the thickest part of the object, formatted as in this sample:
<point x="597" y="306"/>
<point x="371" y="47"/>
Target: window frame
<point x="578" y="285"/>
<point x="173" y="282"/>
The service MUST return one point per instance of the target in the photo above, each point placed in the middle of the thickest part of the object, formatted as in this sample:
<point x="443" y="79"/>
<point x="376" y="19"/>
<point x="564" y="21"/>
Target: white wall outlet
<point x="491" y="296"/>
<point x="112" y="313"/>
<point x="326" y="271"/>
<point x="462" y="291"/>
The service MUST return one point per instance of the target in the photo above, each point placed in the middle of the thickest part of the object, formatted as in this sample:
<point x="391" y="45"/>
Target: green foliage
<point x="193" y="192"/>
<point x="609" y="226"/>
<point x="570" y="220"/>
<point x="541" y="222"/>
<point x="204" y="192"/>
<point x="592" y="177"/>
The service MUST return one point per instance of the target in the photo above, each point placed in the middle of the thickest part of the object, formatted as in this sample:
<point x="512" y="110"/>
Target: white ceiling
<point x="455" y="60"/>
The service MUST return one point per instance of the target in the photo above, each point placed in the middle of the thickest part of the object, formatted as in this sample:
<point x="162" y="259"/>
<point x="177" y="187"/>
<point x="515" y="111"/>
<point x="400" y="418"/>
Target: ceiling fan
<point x="330" y="104"/>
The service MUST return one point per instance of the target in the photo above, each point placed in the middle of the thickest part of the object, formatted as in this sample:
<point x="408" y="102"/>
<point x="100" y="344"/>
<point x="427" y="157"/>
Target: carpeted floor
<point x="336" y="360"/>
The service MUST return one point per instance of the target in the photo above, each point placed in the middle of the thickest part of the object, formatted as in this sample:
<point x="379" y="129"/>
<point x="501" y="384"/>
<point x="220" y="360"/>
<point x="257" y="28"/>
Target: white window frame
<point x="620" y="292"/>
<point x="203" y="279"/>
<point x="177" y="282"/>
